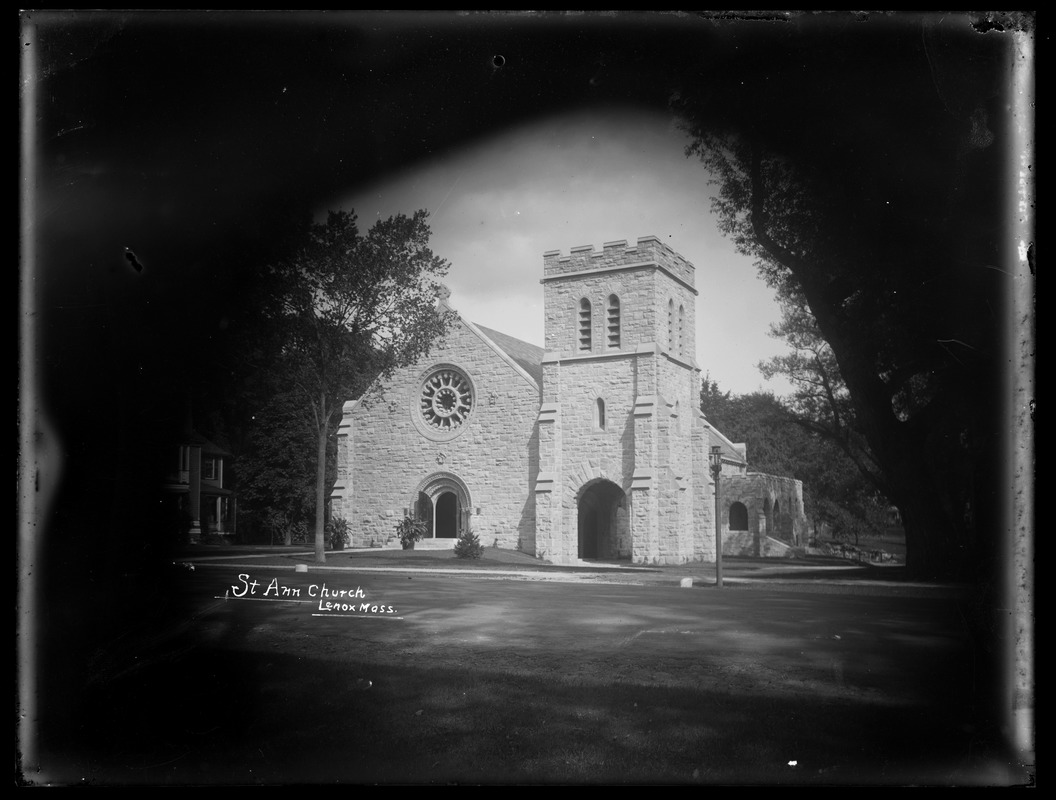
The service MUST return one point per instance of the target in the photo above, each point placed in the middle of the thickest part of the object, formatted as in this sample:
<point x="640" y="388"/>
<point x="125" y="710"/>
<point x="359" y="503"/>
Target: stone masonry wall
<point x="648" y="383"/>
<point x="383" y="455"/>
<point x="703" y="502"/>
<point x="635" y="292"/>
<point x="759" y="493"/>
<point x="588" y="451"/>
<point x="633" y="274"/>
<point x="677" y="483"/>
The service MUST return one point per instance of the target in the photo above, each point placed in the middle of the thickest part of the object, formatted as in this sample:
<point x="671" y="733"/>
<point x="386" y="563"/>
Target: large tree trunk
<point x="913" y="454"/>
<point x="931" y="537"/>
<point x="915" y="457"/>
<point x="927" y="473"/>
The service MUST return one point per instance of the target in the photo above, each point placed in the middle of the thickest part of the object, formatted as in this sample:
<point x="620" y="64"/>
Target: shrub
<point x="338" y="534"/>
<point x="410" y="530"/>
<point x="469" y="546"/>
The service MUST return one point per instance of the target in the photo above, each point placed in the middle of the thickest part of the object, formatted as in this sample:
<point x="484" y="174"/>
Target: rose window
<point x="446" y="399"/>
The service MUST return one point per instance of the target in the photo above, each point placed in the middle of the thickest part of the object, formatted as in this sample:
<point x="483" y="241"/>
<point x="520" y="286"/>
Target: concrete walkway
<point x="807" y="574"/>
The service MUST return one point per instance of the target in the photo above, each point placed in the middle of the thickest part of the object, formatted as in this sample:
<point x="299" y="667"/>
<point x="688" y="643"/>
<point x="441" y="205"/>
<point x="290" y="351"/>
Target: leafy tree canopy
<point x="864" y="179"/>
<point x="342" y="311"/>
<point x="835" y="491"/>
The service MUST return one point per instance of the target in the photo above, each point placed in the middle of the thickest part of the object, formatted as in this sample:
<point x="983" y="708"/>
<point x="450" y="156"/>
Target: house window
<point x="614" y="321"/>
<point x="210" y="468"/>
<point x="584" y="325"/>
<point x="599" y="414"/>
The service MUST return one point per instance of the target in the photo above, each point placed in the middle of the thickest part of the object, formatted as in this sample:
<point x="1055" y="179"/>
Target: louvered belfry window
<point x="671" y="324"/>
<point x="584" y="325"/>
<point x="613" y="321"/>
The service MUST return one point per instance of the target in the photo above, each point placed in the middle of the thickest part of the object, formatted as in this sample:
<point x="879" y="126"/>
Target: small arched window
<point x="613" y="321"/>
<point x="599" y="414"/>
<point x="738" y="517"/>
<point x="584" y="325"/>
<point x="681" y="330"/>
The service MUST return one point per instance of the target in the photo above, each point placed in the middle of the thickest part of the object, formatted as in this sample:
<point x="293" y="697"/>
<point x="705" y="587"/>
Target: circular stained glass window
<point x="446" y="399"/>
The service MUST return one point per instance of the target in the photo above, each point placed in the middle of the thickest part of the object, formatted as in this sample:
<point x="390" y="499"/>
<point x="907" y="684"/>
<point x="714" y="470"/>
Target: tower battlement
<point x="617" y="254"/>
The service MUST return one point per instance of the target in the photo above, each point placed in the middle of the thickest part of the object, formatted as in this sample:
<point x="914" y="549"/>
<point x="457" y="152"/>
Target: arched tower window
<point x="584" y="325"/>
<point x="613" y="321"/>
<point x="671" y="324"/>
<point x="599" y="414"/>
<point x="681" y="329"/>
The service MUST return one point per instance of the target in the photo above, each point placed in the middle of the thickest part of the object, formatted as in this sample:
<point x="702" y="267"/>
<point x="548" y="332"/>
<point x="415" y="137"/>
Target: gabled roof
<point x="735" y="453"/>
<point x="194" y="439"/>
<point x="529" y="357"/>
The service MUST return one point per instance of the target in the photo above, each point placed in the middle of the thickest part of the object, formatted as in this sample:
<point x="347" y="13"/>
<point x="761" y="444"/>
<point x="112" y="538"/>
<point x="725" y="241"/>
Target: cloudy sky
<point x="577" y="179"/>
<point x="191" y="140"/>
<point x="185" y="137"/>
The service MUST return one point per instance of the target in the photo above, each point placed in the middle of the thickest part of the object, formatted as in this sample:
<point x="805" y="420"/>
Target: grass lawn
<point x="496" y="725"/>
<point x="494" y="682"/>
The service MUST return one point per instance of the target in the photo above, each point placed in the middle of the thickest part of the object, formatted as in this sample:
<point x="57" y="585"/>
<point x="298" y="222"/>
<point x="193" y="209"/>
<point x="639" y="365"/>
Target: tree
<point x="715" y="403"/>
<point x="342" y="311"/>
<point x="275" y="469"/>
<point x="888" y="234"/>
<point x="819" y="402"/>
<point x="781" y="443"/>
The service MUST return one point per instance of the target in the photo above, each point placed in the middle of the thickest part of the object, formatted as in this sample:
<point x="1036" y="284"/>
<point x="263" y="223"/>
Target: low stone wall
<point x="744" y="544"/>
<point x="760" y="495"/>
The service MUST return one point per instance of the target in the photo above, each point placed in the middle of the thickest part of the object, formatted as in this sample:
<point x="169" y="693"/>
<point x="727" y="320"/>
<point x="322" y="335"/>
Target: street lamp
<point x="716" y="472"/>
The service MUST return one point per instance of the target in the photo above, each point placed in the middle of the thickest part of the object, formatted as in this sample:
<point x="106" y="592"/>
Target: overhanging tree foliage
<point x="342" y="311"/>
<point x="819" y="401"/>
<point x="865" y="180"/>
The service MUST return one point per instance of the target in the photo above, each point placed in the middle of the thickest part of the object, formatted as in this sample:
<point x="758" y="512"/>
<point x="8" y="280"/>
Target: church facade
<point x="591" y="447"/>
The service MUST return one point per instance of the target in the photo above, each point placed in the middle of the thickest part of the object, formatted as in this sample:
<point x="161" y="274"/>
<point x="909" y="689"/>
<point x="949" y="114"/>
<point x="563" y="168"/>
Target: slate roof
<point x="528" y="356"/>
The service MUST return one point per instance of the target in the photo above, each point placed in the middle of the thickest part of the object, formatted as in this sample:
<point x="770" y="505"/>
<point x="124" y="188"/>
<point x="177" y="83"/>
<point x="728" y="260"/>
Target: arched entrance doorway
<point x="601" y="521"/>
<point x="447" y="516"/>
<point x="443" y="502"/>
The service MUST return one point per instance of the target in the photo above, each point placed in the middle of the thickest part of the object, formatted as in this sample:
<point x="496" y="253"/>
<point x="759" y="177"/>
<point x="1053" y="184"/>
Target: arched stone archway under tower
<point x="602" y="521"/>
<point x="442" y="500"/>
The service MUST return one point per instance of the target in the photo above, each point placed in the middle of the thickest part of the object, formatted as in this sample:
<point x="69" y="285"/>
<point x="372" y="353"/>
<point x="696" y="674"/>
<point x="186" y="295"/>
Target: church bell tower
<point x="621" y="442"/>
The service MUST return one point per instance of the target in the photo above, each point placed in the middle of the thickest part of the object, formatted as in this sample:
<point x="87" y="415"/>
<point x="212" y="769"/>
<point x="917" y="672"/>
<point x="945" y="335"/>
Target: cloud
<point x="582" y="179"/>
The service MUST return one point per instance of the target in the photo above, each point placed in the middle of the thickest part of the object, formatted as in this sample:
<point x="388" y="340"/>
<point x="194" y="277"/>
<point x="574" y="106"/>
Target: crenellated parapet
<point x="619" y="299"/>
<point x="647" y="251"/>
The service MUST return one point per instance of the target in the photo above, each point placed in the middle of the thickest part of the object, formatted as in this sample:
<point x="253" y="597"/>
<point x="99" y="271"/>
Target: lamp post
<point x="716" y="473"/>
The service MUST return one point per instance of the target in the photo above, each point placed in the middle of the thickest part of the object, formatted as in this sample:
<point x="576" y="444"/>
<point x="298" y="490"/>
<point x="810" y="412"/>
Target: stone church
<point x="592" y="447"/>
